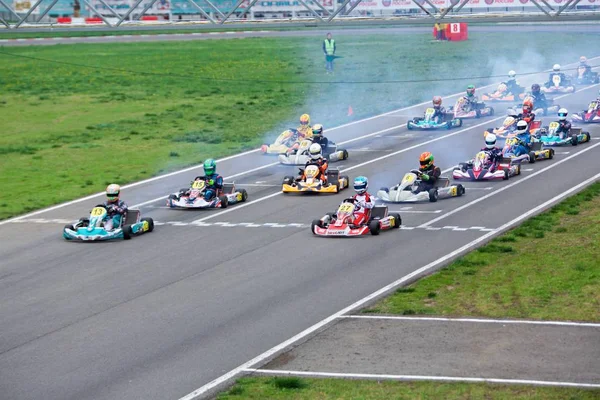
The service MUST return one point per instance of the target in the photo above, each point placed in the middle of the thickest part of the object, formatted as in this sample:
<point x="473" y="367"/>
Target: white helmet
<point x="112" y="192"/>
<point x="512" y="74"/>
<point x="315" y="151"/>
<point x="562" y="114"/>
<point x="521" y="127"/>
<point x="556" y="68"/>
<point x="490" y="140"/>
<point x="582" y="59"/>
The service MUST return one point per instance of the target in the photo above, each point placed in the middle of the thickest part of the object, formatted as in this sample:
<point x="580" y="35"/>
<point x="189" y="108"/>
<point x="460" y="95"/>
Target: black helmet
<point x="535" y="88"/>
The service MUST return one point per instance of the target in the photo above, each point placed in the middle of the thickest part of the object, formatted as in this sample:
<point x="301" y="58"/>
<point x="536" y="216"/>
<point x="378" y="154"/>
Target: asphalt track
<point x="574" y="28"/>
<point x="166" y="313"/>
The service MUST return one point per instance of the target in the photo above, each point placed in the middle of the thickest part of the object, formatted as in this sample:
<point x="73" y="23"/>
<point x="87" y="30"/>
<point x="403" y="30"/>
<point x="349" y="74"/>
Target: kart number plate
<point x="408" y="179"/>
<point x="98" y="211"/>
<point x="553" y="125"/>
<point x="199" y="185"/>
<point x="556" y="80"/>
<point x="346" y="208"/>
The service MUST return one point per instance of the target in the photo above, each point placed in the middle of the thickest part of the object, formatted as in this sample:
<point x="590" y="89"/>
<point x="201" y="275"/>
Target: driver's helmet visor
<point x="562" y="115"/>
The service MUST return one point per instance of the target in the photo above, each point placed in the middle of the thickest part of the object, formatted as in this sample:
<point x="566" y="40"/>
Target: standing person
<point x="329" y="50"/>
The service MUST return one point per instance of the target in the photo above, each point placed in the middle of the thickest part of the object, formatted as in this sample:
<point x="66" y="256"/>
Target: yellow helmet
<point x="305" y="119"/>
<point x="112" y="192"/>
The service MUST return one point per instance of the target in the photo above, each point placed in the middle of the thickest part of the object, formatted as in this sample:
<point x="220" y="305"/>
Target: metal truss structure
<point x="319" y="15"/>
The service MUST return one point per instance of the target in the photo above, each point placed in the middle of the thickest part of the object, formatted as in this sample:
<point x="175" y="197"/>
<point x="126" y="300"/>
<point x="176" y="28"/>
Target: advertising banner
<point x="23" y="6"/>
<point x="122" y="6"/>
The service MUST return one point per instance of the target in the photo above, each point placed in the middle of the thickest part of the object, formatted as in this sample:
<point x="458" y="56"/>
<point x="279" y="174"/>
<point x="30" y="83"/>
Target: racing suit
<point x="322" y="164"/>
<point x="438" y="115"/>
<point x="528" y="117"/>
<point x="495" y="155"/>
<point x="429" y="178"/>
<point x="512" y="86"/>
<point x="588" y="71"/>
<point x="304" y="132"/>
<point x="214" y="184"/>
<point x="564" y="127"/>
<point x="115" y="213"/>
<point x="364" y="203"/>
<point x="524" y="144"/>
<point x="563" y="79"/>
<point x="321" y="140"/>
<point x="471" y="103"/>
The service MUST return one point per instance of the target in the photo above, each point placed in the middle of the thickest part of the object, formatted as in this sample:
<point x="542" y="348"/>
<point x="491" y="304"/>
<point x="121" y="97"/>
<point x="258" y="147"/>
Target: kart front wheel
<point x="574" y="140"/>
<point x="531" y="157"/>
<point x="374" y="227"/>
<point x="288" y="180"/>
<point x="409" y="126"/>
<point x="127" y="232"/>
<point x="71" y="227"/>
<point x="315" y="223"/>
<point x="505" y="177"/>
<point x="460" y="190"/>
<point x="224" y="201"/>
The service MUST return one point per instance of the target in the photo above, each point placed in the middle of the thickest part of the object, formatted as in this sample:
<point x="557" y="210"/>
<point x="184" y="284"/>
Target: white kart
<point x="409" y="190"/>
<point x="301" y="156"/>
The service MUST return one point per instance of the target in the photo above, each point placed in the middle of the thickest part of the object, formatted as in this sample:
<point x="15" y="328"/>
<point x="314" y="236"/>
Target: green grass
<point x="68" y="130"/>
<point x="548" y="269"/>
<point x="260" y="388"/>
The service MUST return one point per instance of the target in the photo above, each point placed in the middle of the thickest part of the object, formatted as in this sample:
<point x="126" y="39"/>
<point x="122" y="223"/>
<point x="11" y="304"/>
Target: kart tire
<point x="505" y="177"/>
<point x="183" y="190"/>
<point x="316" y="222"/>
<point x="331" y="216"/>
<point x="449" y="125"/>
<point x="518" y="172"/>
<point x="460" y="122"/>
<point x="551" y="156"/>
<point x="491" y="111"/>
<point x="397" y="220"/>
<point x="344" y="154"/>
<point x="173" y="197"/>
<point x="409" y="126"/>
<point x="150" y="223"/>
<point x="244" y="194"/>
<point x="385" y="189"/>
<point x="84" y="221"/>
<point x="71" y="227"/>
<point x="288" y="180"/>
<point x="346" y="179"/>
<point x="433" y="195"/>
<point x="127" y="232"/>
<point x="574" y="140"/>
<point x="374" y="227"/>
<point x="460" y="190"/>
<point x="224" y="201"/>
<point x="588" y="137"/>
<point x="531" y="157"/>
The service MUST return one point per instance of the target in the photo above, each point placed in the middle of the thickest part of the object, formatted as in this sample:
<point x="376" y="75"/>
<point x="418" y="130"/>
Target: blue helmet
<point x="361" y="183"/>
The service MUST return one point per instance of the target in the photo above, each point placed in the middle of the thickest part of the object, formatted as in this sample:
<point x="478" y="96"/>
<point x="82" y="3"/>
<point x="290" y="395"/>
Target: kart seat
<point x="132" y="217"/>
<point x="535" y="146"/>
<point x="575" y="131"/>
<point x="379" y="212"/>
<point x="442" y="182"/>
<point x="333" y="175"/>
<point x="228" y="188"/>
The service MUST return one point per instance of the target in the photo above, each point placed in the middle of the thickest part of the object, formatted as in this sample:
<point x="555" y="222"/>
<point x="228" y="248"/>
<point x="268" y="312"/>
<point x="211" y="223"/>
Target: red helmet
<point x="527" y="106"/>
<point x="437" y="101"/>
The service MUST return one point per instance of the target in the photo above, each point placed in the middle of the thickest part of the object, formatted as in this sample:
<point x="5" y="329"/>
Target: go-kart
<point x="411" y="189"/>
<point x="339" y="223"/>
<point x="592" y="114"/>
<point x="549" y="137"/>
<point x="310" y="182"/>
<point x="510" y="125"/>
<point x="585" y="76"/>
<point x="558" y="85"/>
<point x="482" y="169"/>
<point x="427" y="121"/>
<point x="462" y="109"/>
<point x="534" y="151"/>
<point x="193" y="197"/>
<point x="300" y="155"/>
<point x="501" y="94"/>
<point x="94" y="228"/>
<point x="550" y="107"/>
<point x="287" y="140"/>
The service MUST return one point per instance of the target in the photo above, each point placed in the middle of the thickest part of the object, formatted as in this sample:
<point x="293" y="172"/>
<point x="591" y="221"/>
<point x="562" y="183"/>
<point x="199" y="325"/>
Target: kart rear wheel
<point x="574" y="140"/>
<point x="531" y="157"/>
<point x="397" y="220"/>
<point x="244" y="194"/>
<point x="346" y="179"/>
<point x="588" y="137"/>
<point x="344" y="154"/>
<point x="127" y="232"/>
<point x="433" y="195"/>
<point x="150" y="222"/>
<point x="518" y="172"/>
<point x="460" y="190"/>
<point x="224" y="201"/>
<point x="491" y="111"/>
<point x="505" y="177"/>
<point x="288" y="180"/>
<point x="551" y="156"/>
<point x="374" y="227"/>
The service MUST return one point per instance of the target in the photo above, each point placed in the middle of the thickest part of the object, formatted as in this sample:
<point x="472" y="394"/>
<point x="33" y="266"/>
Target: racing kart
<point x="92" y="228"/>
<point x="411" y="190"/>
<point x="462" y="109"/>
<point x="557" y="85"/>
<point x="339" y="223"/>
<point x="482" y="169"/>
<point x="311" y="183"/>
<point x="510" y="125"/>
<point x="549" y="137"/>
<point x="591" y="115"/>
<point x="583" y="76"/>
<point x="535" y="151"/>
<point x="501" y="94"/>
<point x="427" y="122"/>
<point x="284" y="142"/>
<point x="300" y="155"/>
<point x="193" y="197"/>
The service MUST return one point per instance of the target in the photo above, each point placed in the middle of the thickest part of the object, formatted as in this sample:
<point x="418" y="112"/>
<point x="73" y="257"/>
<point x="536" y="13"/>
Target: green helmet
<point x="470" y="90"/>
<point x="210" y="166"/>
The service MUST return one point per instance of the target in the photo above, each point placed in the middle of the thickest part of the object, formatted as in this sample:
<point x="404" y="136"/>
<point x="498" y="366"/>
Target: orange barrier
<point x="149" y="18"/>
<point x="63" y="20"/>
<point x="94" y="20"/>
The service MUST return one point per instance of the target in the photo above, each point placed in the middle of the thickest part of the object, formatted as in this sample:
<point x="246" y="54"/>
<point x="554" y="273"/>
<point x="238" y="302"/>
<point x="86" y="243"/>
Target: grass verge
<point x="148" y="108"/>
<point x="548" y="269"/>
<point x="324" y="389"/>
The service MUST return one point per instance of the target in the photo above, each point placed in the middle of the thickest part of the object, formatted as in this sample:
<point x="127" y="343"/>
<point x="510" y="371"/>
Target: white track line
<point x="476" y="320"/>
<point x="386" y="289"/>
<point x="260" y="199"/>
<point x="510" y="185"/>
<point x="316" y="374"/>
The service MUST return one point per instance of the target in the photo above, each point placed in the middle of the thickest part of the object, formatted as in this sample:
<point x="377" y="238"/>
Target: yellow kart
<point x="310" y="183"/>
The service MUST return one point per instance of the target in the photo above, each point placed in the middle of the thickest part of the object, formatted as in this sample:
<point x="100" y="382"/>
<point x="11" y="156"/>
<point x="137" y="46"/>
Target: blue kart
<point x="429" y="122"/>
<point x="93" y="229"/>
<point x="549" y="137"/>
<point x="518" y="151"/>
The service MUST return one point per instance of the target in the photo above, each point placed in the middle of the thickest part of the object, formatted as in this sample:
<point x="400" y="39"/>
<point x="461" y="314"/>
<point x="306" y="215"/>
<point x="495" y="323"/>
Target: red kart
<point x="591" y="115"/>
<point x="339" y="223"/>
